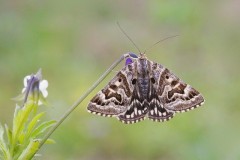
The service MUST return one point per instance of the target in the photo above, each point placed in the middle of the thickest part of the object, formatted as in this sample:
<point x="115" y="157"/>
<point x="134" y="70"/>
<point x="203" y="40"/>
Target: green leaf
<point x="50" y="141"/>
<point x="19" y="122"/>
<point x="21" y="119"/>
<point x="42" y="127"/>
<point x="1" y="133"/>
<point x="4" y="152"/>
<point x="21" y="137"/>
<point x="3" y="146"/>
<point x="9" y="134"/>
<point x="30" y="150"/>
<point x="17" y="108"/>
<point x="33" y="123"/>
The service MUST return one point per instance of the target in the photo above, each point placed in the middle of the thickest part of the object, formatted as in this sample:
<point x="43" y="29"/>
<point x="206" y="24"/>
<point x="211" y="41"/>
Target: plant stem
<point x="74" y="106"/>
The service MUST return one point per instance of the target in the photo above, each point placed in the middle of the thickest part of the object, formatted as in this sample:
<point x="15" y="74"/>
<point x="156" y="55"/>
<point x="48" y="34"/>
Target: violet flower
<point x="35" y="88"/>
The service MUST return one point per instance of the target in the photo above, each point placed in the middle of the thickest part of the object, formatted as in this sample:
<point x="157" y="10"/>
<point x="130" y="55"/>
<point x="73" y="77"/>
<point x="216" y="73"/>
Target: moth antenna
<point x="128" y="37"/>
<point x="159" y="42"/>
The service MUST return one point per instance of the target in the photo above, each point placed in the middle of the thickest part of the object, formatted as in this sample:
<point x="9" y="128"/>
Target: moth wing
<point x="174" y="94"/>
<point x="114" y="99"/>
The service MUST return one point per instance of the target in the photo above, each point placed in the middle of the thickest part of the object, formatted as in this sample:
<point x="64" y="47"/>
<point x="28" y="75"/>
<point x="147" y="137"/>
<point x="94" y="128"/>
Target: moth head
<point x="131" y="58"/>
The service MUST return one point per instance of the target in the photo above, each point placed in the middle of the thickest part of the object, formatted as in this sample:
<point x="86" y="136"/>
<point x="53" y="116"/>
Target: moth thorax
<point x="143" y="77"/>
<point x="142" y="67"/>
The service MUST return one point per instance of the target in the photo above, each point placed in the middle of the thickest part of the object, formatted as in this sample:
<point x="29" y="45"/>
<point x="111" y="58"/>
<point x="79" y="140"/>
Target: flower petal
<point x="43" y="88"/>
<point x="44" y="93"/>
<point x="43" y="85"/>
<point x="25" y="80"/>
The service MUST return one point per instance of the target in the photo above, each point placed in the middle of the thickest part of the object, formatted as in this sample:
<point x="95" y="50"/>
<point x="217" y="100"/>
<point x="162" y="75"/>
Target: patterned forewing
<point x="174" y="94"/>
<point x="115" y="97"/>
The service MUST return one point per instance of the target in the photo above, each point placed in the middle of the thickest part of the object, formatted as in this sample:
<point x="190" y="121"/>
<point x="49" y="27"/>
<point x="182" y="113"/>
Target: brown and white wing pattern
<point x="174" y="94"/>
<point x="115" y="98"/>
<point x="144" y="89"/>
<point x="156" y="110"/>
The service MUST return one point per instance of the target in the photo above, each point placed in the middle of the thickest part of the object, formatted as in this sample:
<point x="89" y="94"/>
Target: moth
<point x="143" y="88"/>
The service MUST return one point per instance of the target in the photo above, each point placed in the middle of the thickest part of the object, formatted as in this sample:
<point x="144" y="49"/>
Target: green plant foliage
<point x="30" y="150"/>
<point x="23" y="140"/>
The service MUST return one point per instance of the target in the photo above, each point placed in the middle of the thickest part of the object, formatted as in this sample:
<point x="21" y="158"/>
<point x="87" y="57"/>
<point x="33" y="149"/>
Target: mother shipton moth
<point x="143" y="88"/>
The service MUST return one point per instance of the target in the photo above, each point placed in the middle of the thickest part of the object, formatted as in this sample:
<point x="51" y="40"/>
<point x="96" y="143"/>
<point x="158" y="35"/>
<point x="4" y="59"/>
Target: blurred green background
<point x="74" y="42"/>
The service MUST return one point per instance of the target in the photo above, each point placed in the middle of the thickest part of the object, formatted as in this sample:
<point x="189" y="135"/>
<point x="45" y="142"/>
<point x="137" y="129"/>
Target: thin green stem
<point x="74" y="106"/>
